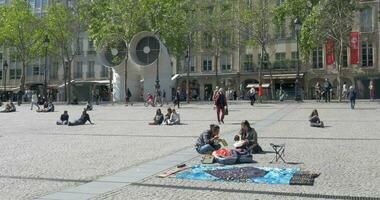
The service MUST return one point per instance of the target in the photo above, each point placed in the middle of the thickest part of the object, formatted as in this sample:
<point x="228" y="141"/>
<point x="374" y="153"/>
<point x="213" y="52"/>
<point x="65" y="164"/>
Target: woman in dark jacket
<point x="248" y="136"/>
<point x="220" y="104"/>
<point x="82" y="120"/>
<point x="158" y="118"/>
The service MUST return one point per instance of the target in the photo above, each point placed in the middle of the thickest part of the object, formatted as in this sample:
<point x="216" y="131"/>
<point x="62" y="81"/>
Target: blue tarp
<point x="273" y="175"/>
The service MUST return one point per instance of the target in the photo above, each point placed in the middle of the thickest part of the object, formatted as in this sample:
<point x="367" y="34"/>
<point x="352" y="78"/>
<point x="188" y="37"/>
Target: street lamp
<point x="187" y="58"/>
<point x="46" y="44"/>
<point x="5" y="68"/>
<point x="157" y="86"/>
<point x="297" y="27"/>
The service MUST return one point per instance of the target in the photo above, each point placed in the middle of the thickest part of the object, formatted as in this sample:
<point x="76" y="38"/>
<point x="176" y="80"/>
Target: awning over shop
<point x="283" y="76"/>
<point x="80" y="82"/>
<point x="256" y="85"/>
<point x="10" y="89"/>
<point x="175" y="77"/>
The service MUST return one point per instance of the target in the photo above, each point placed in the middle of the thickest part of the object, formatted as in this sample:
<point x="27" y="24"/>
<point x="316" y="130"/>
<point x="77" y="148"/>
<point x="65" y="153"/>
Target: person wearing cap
<point x="208" y="140"/>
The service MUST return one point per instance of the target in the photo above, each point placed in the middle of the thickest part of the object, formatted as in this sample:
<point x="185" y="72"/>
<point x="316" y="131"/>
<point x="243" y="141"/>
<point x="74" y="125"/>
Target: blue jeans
<point x="207" y="149"/>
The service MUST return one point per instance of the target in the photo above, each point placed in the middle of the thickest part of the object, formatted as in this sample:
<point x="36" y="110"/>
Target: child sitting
<point x="9" y="107"/>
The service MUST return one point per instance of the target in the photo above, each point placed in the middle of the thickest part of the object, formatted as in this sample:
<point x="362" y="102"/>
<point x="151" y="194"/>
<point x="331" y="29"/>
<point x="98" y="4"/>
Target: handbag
<point x="226" y="111"/>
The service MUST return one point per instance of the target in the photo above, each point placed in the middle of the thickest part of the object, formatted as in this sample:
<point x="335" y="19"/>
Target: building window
<point x="226" y="39"/>
<point x="248" y="63"/>
<point x="207" y="40"/>
<point x="103" y="71"/>
<point x="279" y="2"/>
<point x="192" y="64"/>
<point x="207" y="63"/>
<point x="317" y="58"/>
<point x="91" y="69"/>
<point x="280" y="56"/>
<point x="225" y="62"/>
<point x="367" y="54"/>
<point x="1" y="57"/>
<point x="280" y="31"/>
<point x="279" y="61"/>
<point x="78" y="70"/>
<point x="12" y="74"/>
<point x="90" y="45"/>
<point x="36" y="70"/>
<point x="1" y="75"/>
<point x="18" y="73"/>
<point x="366" y="20"/>
<point x="345" y="57"/>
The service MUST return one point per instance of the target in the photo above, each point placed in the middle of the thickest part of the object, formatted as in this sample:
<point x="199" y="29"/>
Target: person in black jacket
<point x="327" y="90"/>
<point x="158" y="118"/>
<point x="64" y="120"/>
<point x="82" y="120"/>
<point x="352" y="96"/>
<point x="208" y="140"/>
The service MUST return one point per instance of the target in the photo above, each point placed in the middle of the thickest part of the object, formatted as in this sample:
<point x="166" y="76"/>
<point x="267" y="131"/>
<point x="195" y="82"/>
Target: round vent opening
<point x="147" y="50"/>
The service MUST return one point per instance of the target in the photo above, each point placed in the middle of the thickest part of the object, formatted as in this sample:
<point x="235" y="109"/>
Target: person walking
<point x="327" y="90"/>
<point x="371" y="88"/>
<point x="34" y="101"/>
<point x="221" y="105"/>
<point x="252" y="95"/>
<point x="352" y="96"/>
<point x="344" y="90"/>
<point x="128" y="97"/>
<point x="177" y="97"/>
<point x="318" y="92"/>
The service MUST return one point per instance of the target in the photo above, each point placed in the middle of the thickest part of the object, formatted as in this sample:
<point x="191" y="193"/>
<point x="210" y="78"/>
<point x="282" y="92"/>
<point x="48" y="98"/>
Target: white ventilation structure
<point x="145" y="52"/>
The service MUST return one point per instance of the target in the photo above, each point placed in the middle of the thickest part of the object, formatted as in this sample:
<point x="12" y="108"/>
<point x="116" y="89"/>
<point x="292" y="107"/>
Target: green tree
<point x="22" y="32"/>
<point x="216" y="26"/>
<point x="256" y="22"/>
<point x="322" y="20"/>
<point x="63" y="29"/>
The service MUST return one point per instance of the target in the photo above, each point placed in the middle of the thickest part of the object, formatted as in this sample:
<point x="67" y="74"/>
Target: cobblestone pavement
<point x="38" y="158"/>
<point x="346" y="153"/>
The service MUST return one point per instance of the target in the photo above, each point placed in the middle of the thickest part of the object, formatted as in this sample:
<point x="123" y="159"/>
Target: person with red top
<point x="220" y="104"/>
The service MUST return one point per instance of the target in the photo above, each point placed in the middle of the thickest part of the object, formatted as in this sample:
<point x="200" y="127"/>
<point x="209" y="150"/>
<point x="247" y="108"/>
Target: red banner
<point x="330" y="58"/>
<point x="354" y="43"/>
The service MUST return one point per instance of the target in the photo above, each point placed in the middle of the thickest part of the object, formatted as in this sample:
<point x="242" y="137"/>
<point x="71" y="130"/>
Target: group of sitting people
<point x="64" y="119"/>
<point x="171" y="118"/>
<point x="9" y="107"/>
<point x="48" y="107"/>
<point x="208" y="141"/>
<point x="246" y="144"/>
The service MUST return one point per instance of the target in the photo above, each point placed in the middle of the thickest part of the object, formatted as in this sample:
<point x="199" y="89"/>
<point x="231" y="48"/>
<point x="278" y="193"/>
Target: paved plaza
<point x="118" y="157"/>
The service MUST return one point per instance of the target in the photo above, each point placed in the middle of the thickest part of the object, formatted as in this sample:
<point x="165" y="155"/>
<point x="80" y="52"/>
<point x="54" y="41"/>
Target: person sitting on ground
<point x="247" y="139"/>
<point x="9" y="107"/>
<point x="158" y="118"/>
<point x="314" y="119"/>
<point x="208" y="140"/>
<point x="48" y="107"/>
<point x="64" y="120"/>
<point x="167" y="116"/>
<point x="82" y="120"/>
<point x="174" y="119"/>
<point x="88" y="106"/>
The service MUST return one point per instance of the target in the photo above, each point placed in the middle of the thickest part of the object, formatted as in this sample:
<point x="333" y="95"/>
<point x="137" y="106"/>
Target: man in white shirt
<point x="34" y="101"/>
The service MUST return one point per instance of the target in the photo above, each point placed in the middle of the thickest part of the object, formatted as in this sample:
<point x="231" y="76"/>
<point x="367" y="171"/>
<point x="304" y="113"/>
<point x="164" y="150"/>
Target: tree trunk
<point x="69" y="82"/>
<point x="216" y="69"/>
<point x="340" y="58"/>
<point x="22" y="81"/>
